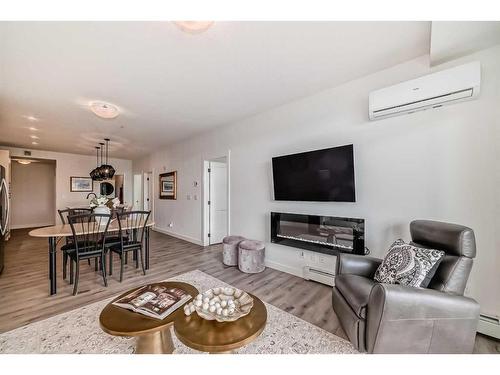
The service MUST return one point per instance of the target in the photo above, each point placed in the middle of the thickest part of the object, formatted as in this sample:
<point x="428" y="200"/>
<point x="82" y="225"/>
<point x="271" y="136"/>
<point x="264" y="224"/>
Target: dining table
<point x="56" y="232"/>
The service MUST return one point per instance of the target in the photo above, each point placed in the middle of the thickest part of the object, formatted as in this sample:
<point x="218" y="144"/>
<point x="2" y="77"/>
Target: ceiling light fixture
<point x="104" y="110"/>
<point x="32" y="136"/>
<point x="34" y="143"/>
<point x="23" y="162"/>
<point x="194" y="27"/>
<point x="31" y="118"/>
<point x="106" y="170"/>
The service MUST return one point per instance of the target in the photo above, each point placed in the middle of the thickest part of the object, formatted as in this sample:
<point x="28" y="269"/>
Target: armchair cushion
<point x="409" y="265"/>
<point x="356" y="291"/>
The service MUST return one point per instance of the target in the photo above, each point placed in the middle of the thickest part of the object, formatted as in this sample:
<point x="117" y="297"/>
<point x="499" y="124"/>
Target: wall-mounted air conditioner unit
<point x="431" y="91"/>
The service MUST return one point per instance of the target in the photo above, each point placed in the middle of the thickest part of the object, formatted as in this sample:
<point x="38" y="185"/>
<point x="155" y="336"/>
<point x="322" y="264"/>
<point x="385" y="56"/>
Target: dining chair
<point x="89" y="233"/>
<point x="64" y="215"/>
<point x="134" y="223"/>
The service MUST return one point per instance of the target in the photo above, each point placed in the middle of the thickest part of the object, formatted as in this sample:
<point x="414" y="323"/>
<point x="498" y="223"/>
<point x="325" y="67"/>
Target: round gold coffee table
<point x="215" y="337"/>
<point x="152" y="335"/>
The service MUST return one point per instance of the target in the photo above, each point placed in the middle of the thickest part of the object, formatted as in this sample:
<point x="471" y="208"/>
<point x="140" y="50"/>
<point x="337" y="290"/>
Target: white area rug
<point x="78" y="331"/>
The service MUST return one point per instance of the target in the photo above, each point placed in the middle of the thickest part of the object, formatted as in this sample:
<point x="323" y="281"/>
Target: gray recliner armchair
<point x="392" y="318"/>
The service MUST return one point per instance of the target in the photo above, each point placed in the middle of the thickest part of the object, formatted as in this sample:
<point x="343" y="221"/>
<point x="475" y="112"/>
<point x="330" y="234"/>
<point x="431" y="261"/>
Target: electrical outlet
<point x="322" y="259"/>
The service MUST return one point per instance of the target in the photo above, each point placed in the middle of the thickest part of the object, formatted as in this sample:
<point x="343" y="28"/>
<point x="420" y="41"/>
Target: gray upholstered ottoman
<point x="230" y="250"/>
<point x="251" y="256"/>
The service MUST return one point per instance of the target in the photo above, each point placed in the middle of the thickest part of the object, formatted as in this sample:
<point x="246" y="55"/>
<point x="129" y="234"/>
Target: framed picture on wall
<point x="168" y="185"/>
<point x="80" y="184"/>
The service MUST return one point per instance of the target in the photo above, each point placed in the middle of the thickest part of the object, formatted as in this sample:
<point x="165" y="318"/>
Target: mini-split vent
<point x="431" y="91"/>
<point x="489" y="325"/>
<point x="321" y="276"/>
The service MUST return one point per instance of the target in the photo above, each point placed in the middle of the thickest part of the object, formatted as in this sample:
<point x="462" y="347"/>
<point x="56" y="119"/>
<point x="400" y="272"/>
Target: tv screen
<point x="322" y="176"/>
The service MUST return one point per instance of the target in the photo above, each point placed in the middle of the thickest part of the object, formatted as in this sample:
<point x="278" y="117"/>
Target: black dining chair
<point x="89" y="233"/>
<point x="64" y="215"/>
<point x="132" y="226"/>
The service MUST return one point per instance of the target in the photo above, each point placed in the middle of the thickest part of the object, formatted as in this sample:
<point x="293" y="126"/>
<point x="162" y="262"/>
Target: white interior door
<point x="218" y="202"/>
<point x="148" y="195"/>
<point x="138" y="204"/>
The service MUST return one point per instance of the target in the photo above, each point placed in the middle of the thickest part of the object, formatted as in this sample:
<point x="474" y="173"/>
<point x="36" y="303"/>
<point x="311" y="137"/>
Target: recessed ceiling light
<point x="194" y="27"/>
<point x="34" y="143"/>
<point x="104" y="110"/>
<point x="33" y="129"/>
<point x="31" y="118"/>
<point x="32" y="136"/>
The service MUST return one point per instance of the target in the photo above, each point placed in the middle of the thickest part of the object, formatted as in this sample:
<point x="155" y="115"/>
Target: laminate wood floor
<point x="24" y="283"/>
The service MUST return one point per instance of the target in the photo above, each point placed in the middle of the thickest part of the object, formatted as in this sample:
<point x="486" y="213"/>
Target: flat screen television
<point x="319" y="176"/>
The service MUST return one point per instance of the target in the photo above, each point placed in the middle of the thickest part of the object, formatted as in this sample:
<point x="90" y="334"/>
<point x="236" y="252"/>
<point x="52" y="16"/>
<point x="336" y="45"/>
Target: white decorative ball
<point x="237" y="293"/>
<point x="198" y="302"/>
<point x="231" y="311"/>
<point x="199" y="297"/>
<point x="219" y="310"/>
<point x="212" y="308"/>
<point x="229" y="291"/>
<point x="205" y="306"/>
<point x="225" y="312"/>
<point x="223" y="303"/>
<point x="217" y="304"/>
<point x="192" y="309"/>
<point x="211" y="302"/>
<point x="206" y="300"/>
<point x="216" y="290"/>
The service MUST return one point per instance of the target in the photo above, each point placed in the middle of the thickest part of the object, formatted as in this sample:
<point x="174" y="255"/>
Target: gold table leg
<point x="159" y="342"/>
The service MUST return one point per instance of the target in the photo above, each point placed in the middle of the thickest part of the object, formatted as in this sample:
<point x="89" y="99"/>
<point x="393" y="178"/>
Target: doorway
<point x="33" y="193"/>
<point x="216" y="200"/>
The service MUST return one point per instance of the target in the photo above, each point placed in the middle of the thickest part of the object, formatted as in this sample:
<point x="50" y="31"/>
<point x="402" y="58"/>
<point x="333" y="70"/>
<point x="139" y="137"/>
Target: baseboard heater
<point x="489" y="325"/>
<point x="320" y="276"/>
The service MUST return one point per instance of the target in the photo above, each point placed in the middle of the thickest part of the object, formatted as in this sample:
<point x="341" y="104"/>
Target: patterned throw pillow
<point x="408" y="265"/>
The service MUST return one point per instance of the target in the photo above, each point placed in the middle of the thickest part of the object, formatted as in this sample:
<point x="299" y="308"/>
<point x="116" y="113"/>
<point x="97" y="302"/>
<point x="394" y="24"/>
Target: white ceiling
<point x="171" y="85"/>
<point x="453" y="39"/>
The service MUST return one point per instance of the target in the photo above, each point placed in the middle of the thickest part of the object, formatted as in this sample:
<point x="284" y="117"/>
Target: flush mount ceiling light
<point x="31" y="118"/>
<point x="194" y="27"/>
<point x="25" y="161"/>
<point x="34" y="143"/>
<point x="32" y="136"/>
<point x="104" y="110"/>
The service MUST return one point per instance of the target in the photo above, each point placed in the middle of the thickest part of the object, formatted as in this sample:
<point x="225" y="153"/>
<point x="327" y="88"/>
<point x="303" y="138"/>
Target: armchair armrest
<point x="357" y="265"/>
<point x="403" y="319"/>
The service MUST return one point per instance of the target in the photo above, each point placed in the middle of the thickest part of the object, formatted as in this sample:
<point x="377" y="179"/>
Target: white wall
<point x="68" y="165"/>
<point x="440" y="164"/>
<point x="33" y="192"/>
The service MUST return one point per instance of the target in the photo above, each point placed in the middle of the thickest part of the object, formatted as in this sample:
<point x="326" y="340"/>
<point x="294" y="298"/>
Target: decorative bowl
<point x="222" y="304"/>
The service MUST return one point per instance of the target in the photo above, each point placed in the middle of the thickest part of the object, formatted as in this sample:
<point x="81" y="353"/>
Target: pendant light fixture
<point x="106" y="170"/>
<point x="94" y="174"/>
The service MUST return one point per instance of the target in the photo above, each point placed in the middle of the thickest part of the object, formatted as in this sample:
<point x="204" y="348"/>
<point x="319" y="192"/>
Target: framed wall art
<point x="80" y="184"/>
<point x="168" y="185"/>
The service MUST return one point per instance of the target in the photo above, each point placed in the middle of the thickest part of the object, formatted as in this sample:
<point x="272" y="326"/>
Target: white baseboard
<point x="284" y="268"/>
<point x="179" y="236"/>
<point x="33" y="225"/>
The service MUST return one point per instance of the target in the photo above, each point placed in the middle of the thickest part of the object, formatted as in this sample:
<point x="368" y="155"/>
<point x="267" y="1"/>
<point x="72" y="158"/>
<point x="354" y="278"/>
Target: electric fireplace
<point x="324" y="234"/>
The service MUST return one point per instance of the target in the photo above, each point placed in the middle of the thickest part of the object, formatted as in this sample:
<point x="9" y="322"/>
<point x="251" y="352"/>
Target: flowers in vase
<point x="98" y="201"/>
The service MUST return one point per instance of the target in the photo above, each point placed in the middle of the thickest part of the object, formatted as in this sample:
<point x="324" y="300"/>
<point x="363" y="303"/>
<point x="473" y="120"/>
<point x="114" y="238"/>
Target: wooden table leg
<point x="159" y="342"/>
<point x="52" y="265"/>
